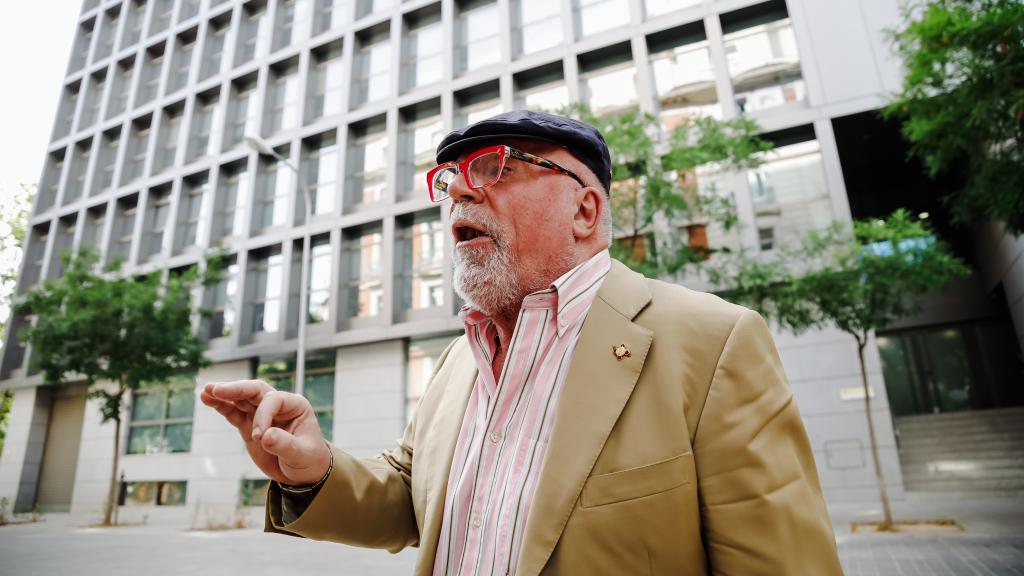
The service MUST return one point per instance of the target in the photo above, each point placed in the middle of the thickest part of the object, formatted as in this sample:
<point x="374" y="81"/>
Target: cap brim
<point x="455" y="149"/>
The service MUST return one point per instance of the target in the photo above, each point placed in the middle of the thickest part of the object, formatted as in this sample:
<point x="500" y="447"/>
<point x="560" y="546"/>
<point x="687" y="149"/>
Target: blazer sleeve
<point x="762" y="507"/>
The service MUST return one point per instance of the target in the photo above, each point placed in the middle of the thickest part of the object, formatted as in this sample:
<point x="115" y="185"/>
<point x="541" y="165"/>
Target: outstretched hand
<point x="279" y="429"/>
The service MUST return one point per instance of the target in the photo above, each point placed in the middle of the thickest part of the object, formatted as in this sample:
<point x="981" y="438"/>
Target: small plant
<point x="4" y="503"/>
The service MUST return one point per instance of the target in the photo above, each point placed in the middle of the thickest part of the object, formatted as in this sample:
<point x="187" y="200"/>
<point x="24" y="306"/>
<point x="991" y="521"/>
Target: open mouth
<point x="467" y="232"/>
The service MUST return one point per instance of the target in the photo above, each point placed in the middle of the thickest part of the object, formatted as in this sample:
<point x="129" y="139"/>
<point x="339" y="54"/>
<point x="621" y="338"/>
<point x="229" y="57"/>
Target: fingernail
<point x="256" y="432"/>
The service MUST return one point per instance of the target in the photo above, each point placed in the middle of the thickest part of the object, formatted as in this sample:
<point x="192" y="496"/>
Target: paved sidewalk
<point x="64" y="544"/>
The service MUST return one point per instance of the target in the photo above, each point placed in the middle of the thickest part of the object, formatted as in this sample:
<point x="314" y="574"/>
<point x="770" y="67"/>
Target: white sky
<point x="35" y="43"/>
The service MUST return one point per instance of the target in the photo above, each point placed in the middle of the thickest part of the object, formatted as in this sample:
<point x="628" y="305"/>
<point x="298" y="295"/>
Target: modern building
<point x="148" y="164"/>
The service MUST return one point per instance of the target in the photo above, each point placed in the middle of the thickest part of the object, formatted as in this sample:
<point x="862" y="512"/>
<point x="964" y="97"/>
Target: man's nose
<point x="459" y="191"/>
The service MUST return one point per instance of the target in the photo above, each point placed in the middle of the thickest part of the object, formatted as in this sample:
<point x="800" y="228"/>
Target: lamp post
<point x="261" y="147"/>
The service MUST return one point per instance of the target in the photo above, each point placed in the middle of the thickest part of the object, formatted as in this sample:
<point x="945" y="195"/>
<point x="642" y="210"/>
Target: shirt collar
<point x="568" y="296"/>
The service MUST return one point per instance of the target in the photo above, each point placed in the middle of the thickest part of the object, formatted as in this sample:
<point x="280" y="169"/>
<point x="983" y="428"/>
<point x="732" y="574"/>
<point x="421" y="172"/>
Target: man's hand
<point x="279" y="429"/>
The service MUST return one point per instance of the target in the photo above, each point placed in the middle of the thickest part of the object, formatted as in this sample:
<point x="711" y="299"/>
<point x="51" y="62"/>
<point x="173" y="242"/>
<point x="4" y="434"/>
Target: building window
<point x="788" y="189"/>
<point x="477" y="103"/>
<point x="477" y="34"/>
<point x="66" y="111"/>
<point x="160" y="17"/>
<point x="122" y="83"/>
<point x="541" y="89"/>
<point x="161" y="493"/>
<point x="123" y="230"/>
<point x="50" y="183"/>
<point x="132" y="31"/>
<point x="274" y="186"/>
<point x="93" y="99"/>
<point x="608" y="79"/>
<point x="320" y="164"/>
<point x="683" y="75"/>
<point x="149" y="78"/>
<point x="135" y="155"/>
<point x="242" y="116"/>
<point x="189" y="8"/>
<point x="278" y="371"/>
<point x="161" y="419"/>
<point x="191" y="213"/>
<point x="62" y="245"/>
<point x="420" y="131"/>
<point x="254" y="34"/>
<point x="265" y="284"/>
<point x="103" y="177"/>
<point x="330" y="15"/>
<point x="418" y="258"/>
<point x="156" y="221"/>
<point x="201" y="135"/>
<point x="367" y="7"/>
<point x="367" y="162"/>
<point x="593" y="16"/>
<point x="232" y="201"/>
<point x="764" y="63"/>
<point x="362" y="259"/>
<point x="293" y="22"/>
<point x="253" y="492"/>
<point x="108" y="33"/>
<point x="422" y="48"/>
<point x="318" y="304"/>
<point x="34" y="256"/>
<point x="537" y="25"/>
<point x="220" y="301"/>
<point x="371" y="68"/>
<point x="167" y="139"/>
<point x="83" y="41"/>
<point x="422" y="355"/>
<point x="283" y="97"/>
<point x="93" y="228"/>
<point x="326" y="82"/>
<point x="213" y="52"/>
<point x="184" y="46"/>
<point x="75" y="184"/>
<point x="659" y="7"/>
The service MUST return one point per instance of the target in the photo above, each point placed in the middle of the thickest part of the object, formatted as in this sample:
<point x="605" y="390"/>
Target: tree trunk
<point x="887" y="513"/>
<point x="108" y="514"/>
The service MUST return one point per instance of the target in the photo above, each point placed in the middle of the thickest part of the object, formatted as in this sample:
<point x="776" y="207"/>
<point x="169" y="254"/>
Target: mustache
<point x="479" y="217"/>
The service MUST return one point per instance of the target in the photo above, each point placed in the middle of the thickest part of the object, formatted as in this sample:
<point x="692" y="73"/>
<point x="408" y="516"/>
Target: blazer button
<point x="495" y="437"/>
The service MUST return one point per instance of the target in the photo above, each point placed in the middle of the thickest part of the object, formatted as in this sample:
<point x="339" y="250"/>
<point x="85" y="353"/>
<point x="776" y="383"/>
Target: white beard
<point x="486" y="279"/>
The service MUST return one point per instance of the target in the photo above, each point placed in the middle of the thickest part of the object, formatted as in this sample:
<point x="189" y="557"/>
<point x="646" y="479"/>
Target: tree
<point x="860" y="282"/>
<point x="655" y="184"/>
<point x="115" y="332"/>
<point x="14" y="213"/>
<point x="963" y="101"/>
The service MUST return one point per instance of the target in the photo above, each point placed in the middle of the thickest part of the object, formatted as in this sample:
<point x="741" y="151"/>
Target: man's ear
<point x="589" y="204"/>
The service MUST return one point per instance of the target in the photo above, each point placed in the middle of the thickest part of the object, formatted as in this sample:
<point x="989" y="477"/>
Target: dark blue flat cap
<point x="581" y="139"/>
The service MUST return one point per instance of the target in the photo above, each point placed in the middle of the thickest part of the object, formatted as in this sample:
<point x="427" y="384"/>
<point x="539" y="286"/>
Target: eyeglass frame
<point x="504" y="153"/>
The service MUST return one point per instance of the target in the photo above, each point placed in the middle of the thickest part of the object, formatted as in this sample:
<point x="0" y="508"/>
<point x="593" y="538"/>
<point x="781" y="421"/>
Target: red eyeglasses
<point x="483" y="168"/>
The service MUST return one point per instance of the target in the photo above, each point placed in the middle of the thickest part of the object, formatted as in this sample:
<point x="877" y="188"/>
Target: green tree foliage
<point x="859" y="281"/>
<point x="963" y="100"/>
<point x="14" y="213"/>
<point x="654" y="187"/>
<point x="116" y="333"/>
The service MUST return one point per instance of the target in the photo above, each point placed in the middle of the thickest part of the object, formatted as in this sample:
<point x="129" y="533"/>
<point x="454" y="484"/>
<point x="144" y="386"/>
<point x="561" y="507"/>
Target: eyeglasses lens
<point x="485" y="170"/>
<point x="442" y="179"/>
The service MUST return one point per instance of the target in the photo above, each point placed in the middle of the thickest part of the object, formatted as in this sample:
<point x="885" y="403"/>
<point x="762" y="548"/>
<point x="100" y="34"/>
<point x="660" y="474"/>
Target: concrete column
<point x="23" y="448"/>
<point x="369" y="397"/>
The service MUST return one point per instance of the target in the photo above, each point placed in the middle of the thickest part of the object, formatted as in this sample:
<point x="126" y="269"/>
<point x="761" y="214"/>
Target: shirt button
<point x="476" y="521"/>
<point x="495" y="436"/>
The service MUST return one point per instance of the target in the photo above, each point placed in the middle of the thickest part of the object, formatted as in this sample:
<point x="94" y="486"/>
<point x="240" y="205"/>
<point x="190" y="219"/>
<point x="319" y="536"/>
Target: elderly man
<point x="590" y="421"/>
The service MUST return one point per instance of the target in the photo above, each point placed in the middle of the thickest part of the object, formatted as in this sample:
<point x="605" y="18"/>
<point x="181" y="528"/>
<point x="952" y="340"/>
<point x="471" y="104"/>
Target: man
<point x="591" y="421"/>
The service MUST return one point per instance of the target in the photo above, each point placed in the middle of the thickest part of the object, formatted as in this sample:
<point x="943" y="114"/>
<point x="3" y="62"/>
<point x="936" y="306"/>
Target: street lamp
<point x="257" y="144"/>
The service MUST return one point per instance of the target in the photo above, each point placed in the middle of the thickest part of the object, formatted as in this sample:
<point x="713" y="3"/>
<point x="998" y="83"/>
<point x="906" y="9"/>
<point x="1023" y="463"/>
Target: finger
<point x="229" y="411"/>
<point x="276" y="406"/>
<point x="281" y="444"/>
<point x="239" y="390"/>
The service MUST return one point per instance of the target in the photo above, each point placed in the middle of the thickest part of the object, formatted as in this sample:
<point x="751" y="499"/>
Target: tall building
<point x="148" y="163"/>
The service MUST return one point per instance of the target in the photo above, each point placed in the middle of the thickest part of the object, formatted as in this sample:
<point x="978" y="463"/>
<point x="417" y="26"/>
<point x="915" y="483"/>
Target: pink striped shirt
<point x="504" y="435"/>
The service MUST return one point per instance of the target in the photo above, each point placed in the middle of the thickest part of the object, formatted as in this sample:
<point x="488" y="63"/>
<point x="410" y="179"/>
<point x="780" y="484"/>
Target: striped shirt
<point x="504" y="435"/>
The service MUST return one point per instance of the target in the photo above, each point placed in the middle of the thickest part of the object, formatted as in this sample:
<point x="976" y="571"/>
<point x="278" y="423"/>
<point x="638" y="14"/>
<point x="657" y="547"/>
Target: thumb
<point x="282" y="444"/>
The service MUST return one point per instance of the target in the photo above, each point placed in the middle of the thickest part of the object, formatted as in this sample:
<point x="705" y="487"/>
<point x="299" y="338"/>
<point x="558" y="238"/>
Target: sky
<point x="35" y="42"/>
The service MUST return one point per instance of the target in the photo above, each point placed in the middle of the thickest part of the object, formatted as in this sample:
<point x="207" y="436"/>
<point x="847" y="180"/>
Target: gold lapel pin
<point x="621" y="352"/>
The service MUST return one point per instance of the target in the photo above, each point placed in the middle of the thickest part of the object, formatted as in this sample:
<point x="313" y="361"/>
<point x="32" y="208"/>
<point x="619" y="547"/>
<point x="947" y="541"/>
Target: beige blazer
<point x="687" y="457"/>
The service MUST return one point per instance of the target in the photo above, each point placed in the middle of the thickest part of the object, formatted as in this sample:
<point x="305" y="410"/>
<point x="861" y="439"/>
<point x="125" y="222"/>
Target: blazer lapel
<point x="596" y="390"/>
<point x="440" y="449"/>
